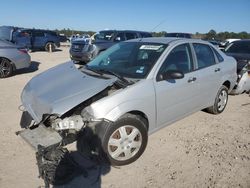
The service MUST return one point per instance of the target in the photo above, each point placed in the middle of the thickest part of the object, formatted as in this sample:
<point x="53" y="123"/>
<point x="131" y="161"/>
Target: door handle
<point x="217" y="70"/>
<point x="191" y="79"/>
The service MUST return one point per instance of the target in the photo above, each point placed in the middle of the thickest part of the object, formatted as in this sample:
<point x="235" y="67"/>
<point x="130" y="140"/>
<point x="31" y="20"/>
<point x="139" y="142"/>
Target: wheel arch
<point x="227" y="84"/>
<point x="141" y="115"/>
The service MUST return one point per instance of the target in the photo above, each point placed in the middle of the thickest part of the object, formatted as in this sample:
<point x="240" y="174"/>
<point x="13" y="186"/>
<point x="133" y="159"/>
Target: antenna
<point x="158" y="25"/>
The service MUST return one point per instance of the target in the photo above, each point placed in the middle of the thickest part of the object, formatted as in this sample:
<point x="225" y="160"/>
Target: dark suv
<point x="31" y="38"/>
<point x="84" y="50"/>
<point x="179" y="35"/>
<point x="37" y="39"/>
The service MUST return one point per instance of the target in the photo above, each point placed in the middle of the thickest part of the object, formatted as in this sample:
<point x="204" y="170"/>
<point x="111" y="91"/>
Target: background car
<point x="101" y="41"/>
<point x="227" y="42"/>
<point x="179" y="35"/>
<point x="36" y="39"/>
<point x="12" y="58"/>
<point x="63" y="38"/>
<point x="240" y="50"/>
<point x="33" y="39"/>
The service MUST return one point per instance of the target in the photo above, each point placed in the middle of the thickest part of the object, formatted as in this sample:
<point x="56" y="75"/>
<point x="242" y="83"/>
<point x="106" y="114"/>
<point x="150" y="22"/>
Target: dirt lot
<point x="202" y="150"/>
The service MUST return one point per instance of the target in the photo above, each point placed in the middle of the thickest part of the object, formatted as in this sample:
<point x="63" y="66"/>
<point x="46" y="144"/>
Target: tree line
<point x="210" y="35"/>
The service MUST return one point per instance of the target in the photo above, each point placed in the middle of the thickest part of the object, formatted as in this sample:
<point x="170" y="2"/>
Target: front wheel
<point x="125" y="140"/>
<point x="220" y="101"/>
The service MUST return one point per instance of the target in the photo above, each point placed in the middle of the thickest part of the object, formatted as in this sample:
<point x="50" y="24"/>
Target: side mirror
<point x="171" y="75"/>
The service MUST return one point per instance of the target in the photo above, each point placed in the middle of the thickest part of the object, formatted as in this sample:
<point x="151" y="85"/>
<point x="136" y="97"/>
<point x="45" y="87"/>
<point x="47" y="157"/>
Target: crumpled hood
<point x="60" y="89"/>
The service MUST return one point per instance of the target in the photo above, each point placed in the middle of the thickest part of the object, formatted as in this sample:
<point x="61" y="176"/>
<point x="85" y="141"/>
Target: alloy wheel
<point x="5" y="68"/>
<point x="124" y="143"/>
<point x="222" y="100"/>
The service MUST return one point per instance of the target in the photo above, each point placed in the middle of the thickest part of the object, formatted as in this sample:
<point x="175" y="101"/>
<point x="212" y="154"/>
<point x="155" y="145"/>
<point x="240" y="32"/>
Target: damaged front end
<point x="54" y="104"/>
<point x="243" y="79"/>
<point x="56" y="113"/>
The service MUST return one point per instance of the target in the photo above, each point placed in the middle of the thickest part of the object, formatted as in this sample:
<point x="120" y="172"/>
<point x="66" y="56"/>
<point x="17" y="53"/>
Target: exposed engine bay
<point x="62" y="130"/>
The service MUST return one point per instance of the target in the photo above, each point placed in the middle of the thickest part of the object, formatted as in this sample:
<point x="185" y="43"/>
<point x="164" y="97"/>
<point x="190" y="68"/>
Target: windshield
<point x="104" y="35"/>
<point x="242" y="47"/>
<point x="129" y="59"/>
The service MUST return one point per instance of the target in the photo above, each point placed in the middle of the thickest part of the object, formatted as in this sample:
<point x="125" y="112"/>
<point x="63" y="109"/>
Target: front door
<point x="179" y="97"/>
<point x="38" y="39"/>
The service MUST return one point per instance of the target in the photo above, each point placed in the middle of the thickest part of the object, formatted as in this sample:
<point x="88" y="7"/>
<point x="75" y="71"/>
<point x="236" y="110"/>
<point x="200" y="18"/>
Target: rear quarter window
<point x="219" y="57"/>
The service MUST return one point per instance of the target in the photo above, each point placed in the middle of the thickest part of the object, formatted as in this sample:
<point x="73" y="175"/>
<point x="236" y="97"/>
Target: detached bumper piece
<point x="56" y="166"/>
<point x="40" y="136"/>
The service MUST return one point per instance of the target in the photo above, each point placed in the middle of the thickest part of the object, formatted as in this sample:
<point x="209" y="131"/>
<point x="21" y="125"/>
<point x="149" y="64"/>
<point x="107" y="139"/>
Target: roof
<point x="165" y="40"/>
<point x="113" y="30"/>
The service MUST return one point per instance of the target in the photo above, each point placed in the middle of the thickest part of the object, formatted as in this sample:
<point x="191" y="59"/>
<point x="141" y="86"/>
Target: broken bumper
<point x="40" y="136"/>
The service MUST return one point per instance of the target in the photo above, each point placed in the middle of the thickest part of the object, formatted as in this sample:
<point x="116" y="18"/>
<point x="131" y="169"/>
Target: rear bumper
<point x="22" y="61"/>
<point x="80" y="56"/>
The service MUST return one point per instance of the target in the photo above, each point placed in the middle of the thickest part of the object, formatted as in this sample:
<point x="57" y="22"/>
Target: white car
<point x="12" y="58"/>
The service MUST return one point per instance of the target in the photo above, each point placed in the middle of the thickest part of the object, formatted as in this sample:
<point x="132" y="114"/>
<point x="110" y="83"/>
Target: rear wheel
<point x="220" y="101"/>
<point x="50" y="46"/>
<point x="125" y="140"/>
<point x="6" y="68"/>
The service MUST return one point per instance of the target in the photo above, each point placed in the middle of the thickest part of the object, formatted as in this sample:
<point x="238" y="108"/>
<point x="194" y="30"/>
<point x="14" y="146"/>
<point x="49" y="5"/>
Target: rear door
<point x="210" y="72"/>
<point x="39" y="39"/>
<point x="120" y="36"/>
<point x="22" y="38"/>
<point x="177" y="98"/>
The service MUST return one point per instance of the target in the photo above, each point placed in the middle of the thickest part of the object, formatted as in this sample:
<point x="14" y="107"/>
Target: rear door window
<point x="204" y="55"/>
<point x="130" y="35"/>
<point x="38" y="34"/>
<point x="120" y="37"/>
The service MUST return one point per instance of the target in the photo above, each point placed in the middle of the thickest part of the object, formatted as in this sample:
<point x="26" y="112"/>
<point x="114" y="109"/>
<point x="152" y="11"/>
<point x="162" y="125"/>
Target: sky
<point x="148" y="15"/>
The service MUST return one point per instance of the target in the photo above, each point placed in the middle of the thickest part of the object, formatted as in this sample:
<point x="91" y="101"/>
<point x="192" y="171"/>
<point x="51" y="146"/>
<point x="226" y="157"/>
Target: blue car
<point x="34" y="39"/>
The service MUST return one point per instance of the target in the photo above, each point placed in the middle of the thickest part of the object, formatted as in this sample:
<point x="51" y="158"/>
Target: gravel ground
<point x="201" y="150"/>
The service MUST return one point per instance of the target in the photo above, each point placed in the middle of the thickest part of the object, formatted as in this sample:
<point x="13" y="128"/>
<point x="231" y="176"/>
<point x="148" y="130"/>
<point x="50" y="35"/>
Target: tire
<point x="125" y="140"/>
<point x="47" y="47"/>
<point x="220" y="101"/>
<point x="6" y="68"/>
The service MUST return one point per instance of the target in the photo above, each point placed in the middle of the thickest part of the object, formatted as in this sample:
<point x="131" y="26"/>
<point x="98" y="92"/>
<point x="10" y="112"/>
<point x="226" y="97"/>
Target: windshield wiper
<point x="93" y="70"/>
<point x="104" y="71"/>
<point x="116" y="75"/>
<point x="97" y="72"/>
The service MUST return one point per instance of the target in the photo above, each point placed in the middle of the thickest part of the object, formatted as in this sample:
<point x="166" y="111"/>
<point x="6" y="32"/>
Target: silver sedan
<point x="12" y="58"/>
<point x="126" y="93"/>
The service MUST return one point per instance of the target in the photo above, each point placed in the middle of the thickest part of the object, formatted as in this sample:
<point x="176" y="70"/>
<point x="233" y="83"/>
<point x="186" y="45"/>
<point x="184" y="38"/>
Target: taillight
<point x="23" y="51"/>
